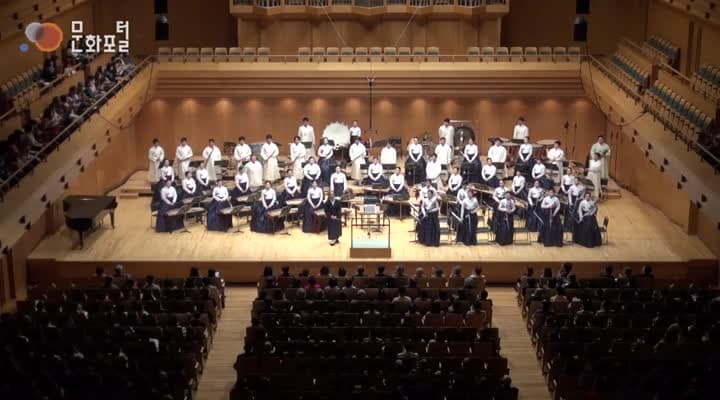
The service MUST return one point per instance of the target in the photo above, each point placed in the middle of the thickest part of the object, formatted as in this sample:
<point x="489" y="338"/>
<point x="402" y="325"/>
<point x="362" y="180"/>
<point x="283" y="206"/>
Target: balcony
<point x="369" y="8"/>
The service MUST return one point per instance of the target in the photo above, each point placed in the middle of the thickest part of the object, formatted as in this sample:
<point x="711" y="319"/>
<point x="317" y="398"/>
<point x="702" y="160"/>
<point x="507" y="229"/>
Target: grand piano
<point x="84" y="213"/>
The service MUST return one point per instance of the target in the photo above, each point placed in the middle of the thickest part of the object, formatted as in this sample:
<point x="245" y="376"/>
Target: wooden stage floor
<point x="637" y="233"/>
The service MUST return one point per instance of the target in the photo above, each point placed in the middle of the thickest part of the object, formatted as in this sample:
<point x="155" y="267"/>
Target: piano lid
<point x="82" y="206"/>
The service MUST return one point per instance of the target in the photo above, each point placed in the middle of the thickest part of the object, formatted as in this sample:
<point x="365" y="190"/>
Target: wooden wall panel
<point x="709" y="233"/>
<point x="709" y="53"/>
<point x="672" y="25"/>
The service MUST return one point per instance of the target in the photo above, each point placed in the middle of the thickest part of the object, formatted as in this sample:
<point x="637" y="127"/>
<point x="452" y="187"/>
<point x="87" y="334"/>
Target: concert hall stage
<point x="638" y="234"/>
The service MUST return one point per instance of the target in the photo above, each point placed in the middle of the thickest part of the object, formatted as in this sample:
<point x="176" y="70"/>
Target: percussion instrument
<point x="375" y="189"/>
<point x="175" y="212"/>
<point x="504" y="140"/>
<point x="338" y="133"/>
<point x="243" y="199"/>
<point x="295" y="202"/>
<point x="231" y="210"/>
<point x="482" y="188"/>
<point x="462" y="134"/>
<point x="547" y="142"/>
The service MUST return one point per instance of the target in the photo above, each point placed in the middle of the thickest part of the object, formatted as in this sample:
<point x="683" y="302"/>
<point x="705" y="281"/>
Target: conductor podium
<point x="370" y="233"/>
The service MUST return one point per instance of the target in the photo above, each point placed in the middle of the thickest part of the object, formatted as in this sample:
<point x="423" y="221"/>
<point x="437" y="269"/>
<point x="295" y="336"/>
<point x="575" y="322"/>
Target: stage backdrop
<point x="226" y="119"/>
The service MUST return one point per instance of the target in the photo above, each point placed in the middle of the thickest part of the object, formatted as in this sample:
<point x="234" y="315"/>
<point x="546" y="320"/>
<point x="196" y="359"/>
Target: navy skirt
<point x="306" y="184"/>
<point x="381" y="181"/>
<point x="334" y="227"/>
<point x="587" y="233"/>
<point x="569" y="217"/>
<point x="165" y="223"/>
<point x="467" y="230"/>
<point x="504" y="228"/>
<point x="261" y="223"/>
<point x="414" y="171"/>
<point x="533" y="218"/>
<point x="472" y="171"/>
<point x="217" y="221"/>
<point x="326" y="169"/>
<point x="430" y="230"/>
<point x="311" y="224"/>
<point x="492" y="182"/>
<point x="550" y="229"/>
<point x="285" y="196"/>
<point x="545" y="182"/>
<point x="339" y="189"/>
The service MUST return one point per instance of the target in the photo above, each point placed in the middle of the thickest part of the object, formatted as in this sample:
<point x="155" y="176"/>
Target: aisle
<point x="516" y="346"/>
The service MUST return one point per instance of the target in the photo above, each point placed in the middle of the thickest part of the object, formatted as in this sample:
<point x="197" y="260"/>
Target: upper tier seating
<point x="630" y="70"/>
<point x="679" y="113"/>
<point x="707" y="82"/>
<point x="663" y="49"/>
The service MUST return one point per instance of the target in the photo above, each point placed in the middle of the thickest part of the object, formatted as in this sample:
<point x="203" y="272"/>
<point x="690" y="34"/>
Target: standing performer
<point x="212" y="153"/>
<point x="602" y="149"/>
<point x="556" y="155"/>
<point x="471" y="163"/>
<point x="290" y="188"/>
<point x="535" y="196"/>
<point x="183" y="155"/>
<point x="444" y="152"/>
<point x="415" y="163"/>
<point x="388" y="155"/>
<point x="314" y="202"/>
<point x="189" y="187"/>
<point x="260" y="221"/>
<point x="489" y="174"/>
<point x="242" y="152"/>
<point x="167" y="173"/>
<point x="429" y="233"/>
<point x="467" y="226"/>
<point x="447" y="132"/>
<point x="498" y="153"/>
<point x="311" y="174"/>
<point x="587" y="233"/>
<point x="269" y="153"/>
<point x="307" y="134"/>
<point x="338" y="182"/>
<point x="156" y="155"/>
<point x="203" y="178"/>
<point x="375" y="174"/>
<point x="216" y="220"/>
<point x="594" y="173"/>
<point x="169" y="197"/>
<point x="297" y="157"/>
<point x="504" y="227"/>
<point x="355" y="131"/>
<point x="325" y="156"/>
<point x="575" y="194"/>
<point x="524" y="162"/>
<point x="538" y="174"/>
<point x="518" y="186"/>
<point x="357" y="154"/>
<point x="454" y="182"/>
<point x="520" y="131"/>
<point x="432" y="170"/>
<point x="333" y="215"/>
<point x="242" y="185"/>
<point x="255" y="172"/>
<point x="551" y="229"/>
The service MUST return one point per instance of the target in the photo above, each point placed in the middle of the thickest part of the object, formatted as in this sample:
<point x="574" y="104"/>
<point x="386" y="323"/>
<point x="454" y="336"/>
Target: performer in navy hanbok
<point x="311" y="174"/>
<point x="455" y="182"/>
<point x="167" y="173"/>
<point x="567" y="180"/>
<point x="338" y="182"/>
<point x="471" y="163"/>
<point x="397" y="186"/>
<point x="429" y="233"/>
<point x="168" y="201"/>
<point x="375" y="175"/>
<point x="242" y="185"/>
<point x="504" y="228"/>
<point x="325" y="158"/>
<point x="467" y="226"/>
<point x="312" y="224"/>
<point x="524" y="162"/>
<point x="538" y="174"/>
<point x="267" y="202"/>
<point x="290" y="188"/>
<point x="216" y="219"/>
<point x="333" y="216"/>
<point x="519" y="188"/>
<point x="534" y="198"/>
<point x="489" y="174"/>
<point x="551" y="229"/>
<point x="575" y="196"/>
<point x="415" y="163"/>
<point x="587" y="233"/>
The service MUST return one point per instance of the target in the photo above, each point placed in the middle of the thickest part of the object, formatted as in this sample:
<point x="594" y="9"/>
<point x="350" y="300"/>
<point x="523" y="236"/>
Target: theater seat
<point x="473" y="53"/>
<point x="516" y="53"/>
<point x="531" y="54"/>
<point x="304" y="54"/>
<point x="375" y="54"/>
<point x="206" y="54"/>
<point x="502" y="54"/>
<point x="545" y="53"/>
<point x="487" y="54"/>
<point x="221" y="54"/>
<point x="574" y="54"/>
<point x="433" y="54"/>
<point x="404" y="54"/>
<point x="164" y="54"/>
<point x="263" y="54"/>
<point x="347" y="54"/>
<point x="390" y="54"/>
<point x="560" y="54"/>
<point x="235" y="54"/>
<point x="249" y="54"/>
<point x="318" y="54"/>
<point x="192" y="54"/>
<point x="361" y="54"/>
<point x="178" y="54"/>
<point x="418" y="54"/>
<point x="333" y="54"/>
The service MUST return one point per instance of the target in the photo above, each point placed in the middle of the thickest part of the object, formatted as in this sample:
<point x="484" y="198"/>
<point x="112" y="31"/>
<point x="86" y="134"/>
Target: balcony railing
<point x="366" y="3"/>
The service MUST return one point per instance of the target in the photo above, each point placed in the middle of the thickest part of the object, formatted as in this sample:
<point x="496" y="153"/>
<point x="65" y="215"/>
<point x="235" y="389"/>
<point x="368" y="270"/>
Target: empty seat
<point x="531" y="54"/>
<point x="178" y="54"/>
<point x="249" y="54"/>
<point x="303" y="54"/>
<point x="235" y="54"/>
<point x="221" y="54"/>
<point x="516" y="53"/>
<point x="318" y="54"/>
<point x="375" y="54"/>
<point x="502" y="54"/>
<point x="418" y="53"/>
<point x="545" y="53"/>
<point x="560" y="54"/>
<point x="390" y="54"/>
<point x="206" y="54"/>
<point x="163" y="54"/>
<point x="433" y="53"/>
<point x="473" y="53"/>
<point x="487" y="54"/>
<point x="333" y="54"/>
<point x="192" y="54"/>
<point x="404" y="54"/>
<point x="263" y="54"/>
<point x="361" y="54"/>
<point x="574" y="53"/>
<point x="347" y="54"/>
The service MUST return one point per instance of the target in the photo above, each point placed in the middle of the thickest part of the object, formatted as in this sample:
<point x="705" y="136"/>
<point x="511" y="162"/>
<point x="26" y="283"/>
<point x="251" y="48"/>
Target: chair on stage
<point x="604" y="230"/>
<point x="484" y="228"/>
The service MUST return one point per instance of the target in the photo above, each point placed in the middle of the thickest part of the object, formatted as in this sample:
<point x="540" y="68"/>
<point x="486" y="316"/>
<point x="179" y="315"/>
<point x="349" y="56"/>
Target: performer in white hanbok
<point x="471" y="162"/>
<point x="297" y="157"/>
<point x="520" y="131"/>
<point x="156" y="156"/>
<point x="355" y="131"/>
<point x="311" y="174"/>
<point x="504" y="227"/>
<point x="432" y="170"/>
<point x="498" y="153"/>
<point x="242" y="185"/>
<point x="375" y="173"/>
<point x="167" y="173"/>
<point x="168" y="201"/>
<point x="567" y="180"/>
<point x="189" y="187"/>
<point x="556" y="155"/>
<point x="538" y="174"/>
<point x="242" y="152"/>
<point x="269" y="153"/>
<point x="594" y="173"/>
<point x="489" y="173"/>
<point x="602" y="149"/>
<point x="447" y="131"/>
<point x="211" y="154"/>
<point x="415" y="163"/>
<point x="388" y="155"/>
<point x="357" y="158"/>
<point x="255" y="173"/>
<point x="444" y="152"/>
<point x="524" y="161"/>
<point x="518" y="186"/>
<point x="203" y="178"/>
<point x="307" y="134"/>
<point x="183" y="155"/>
<point x="291" y="190"/>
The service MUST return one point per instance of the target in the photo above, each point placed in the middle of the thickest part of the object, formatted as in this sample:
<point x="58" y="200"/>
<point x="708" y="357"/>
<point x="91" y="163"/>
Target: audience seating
<point x="404" y="54"/>
<point x="622" y="337"/>
<point x="707" y="82"/>
<point x="178" y="54"/>
<point x="531" y="54"/>
<point x="221" y="54"/>
<point x="15" y="91"/>
<point x="418" y="53"/>
<point x="263" y="54"/>
<point x="487" y="54"/>
<point x="630" y="71"/>
<point x="516" y="53"/>
<point x="375" y="54"/>
<point x="347" y="54"/>
<point x="574" y="53"/>
<point x="304" y="54"/>
<point x="206" y="54"/>
<point x="433" y="54"/>
<point x="502" y="54"/>
<point x="235" y="54"/>
<point x="192" y="54"/>
<point x="663" y="49"/>
<point x="318" y="54"/>
<point x="559" y="54"/>
<point x="676" y="111"/>
<point x="390" y="54"/>
<point x="545" y="53"/>
<point x="333" y="54"/>
<point x="249" y="54"/>
<point x="473" y="53"/>
<point x="361" y="54"/>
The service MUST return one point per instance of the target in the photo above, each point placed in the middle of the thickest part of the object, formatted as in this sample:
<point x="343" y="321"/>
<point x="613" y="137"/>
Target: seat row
<point x="631" y="71"/>
<point x="15" y="89"/>
<point x="707" y="82"/>
<point x="663" y="49"/>
<point x="527" y="54"/>
<point x="677" y="111"/>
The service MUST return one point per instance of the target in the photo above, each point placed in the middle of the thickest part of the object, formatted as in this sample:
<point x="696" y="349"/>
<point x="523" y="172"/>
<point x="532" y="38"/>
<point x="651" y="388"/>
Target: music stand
<point x="237" y="210"/>
<point x="182" y="210"/>
<point x="415" y="214"/>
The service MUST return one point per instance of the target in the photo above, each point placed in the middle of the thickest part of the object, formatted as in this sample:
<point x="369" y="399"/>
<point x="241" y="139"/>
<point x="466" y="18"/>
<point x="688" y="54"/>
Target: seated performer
<point x="333" y="216"/>
<point x="489" y="174"/>
<point x="189" y="187"/>
<point x="471" y="162"/>
<point x="455" y="182"/>
<point x="556" y="155"/>
<point x="567" y="180"/>
<point x="444" y="152"/>
<point x="524" y="162"/>
<point x="216" y="220"/>
<point x="498" y="153"/>
<point x="534" y="198"/>
<point x="311" y="174"/>
<point x="242" y="185"/>
<point x="268" y="201"/>
<point x="169" y="201"/>
<point x="357" y="155"/>
<point x="415" y="163"/>
<point x="518" y="185"/>
<point x="325" y="158"/>
<point x="538" y="174"/>
<point x="314" y="202"/>
<point x="587" y="233"/>
<point x="551" y="228"/>
<point x="290" y="188"/>
<point x="467" y="226"/>
<point x="375" y="174"/>
<point x="203" y="178"/>
<point x="429" y="230"/>
<point x="432" y="170"/>
<point x="297" y="157"/>
<point x="242" y="152"/>
<point x="167" y="173"/>
<point x="388" y="155"/>
<point x="338" y="182"/>
<point x="504" y="227"/>
<point x="255" y="172"/>
<point x="269" y="153"/>
<point x="397" y="186"/>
